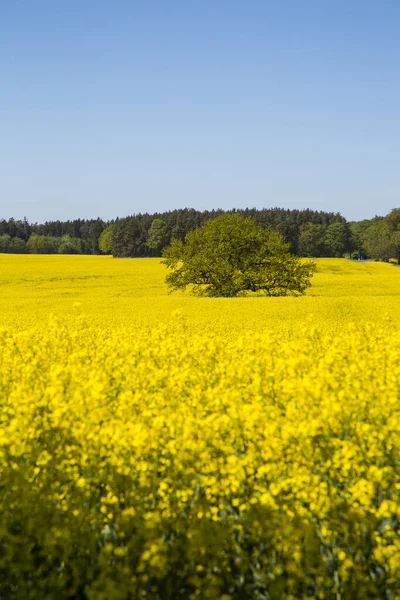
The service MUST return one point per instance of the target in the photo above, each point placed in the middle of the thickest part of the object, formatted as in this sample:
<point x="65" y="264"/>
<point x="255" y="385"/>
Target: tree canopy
<point x="231" y="256"/>
<point x="141" y="235"/>
<point x="105" y="239"/>
<point x="309" y="233"/>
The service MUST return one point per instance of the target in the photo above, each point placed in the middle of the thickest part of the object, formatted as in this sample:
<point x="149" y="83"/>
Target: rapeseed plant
<point x="193" y="454"/>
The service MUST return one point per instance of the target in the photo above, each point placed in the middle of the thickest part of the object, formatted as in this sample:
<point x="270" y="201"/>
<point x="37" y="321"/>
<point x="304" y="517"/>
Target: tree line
<point x="309" y="233"/>
<point x="79" y="236"/>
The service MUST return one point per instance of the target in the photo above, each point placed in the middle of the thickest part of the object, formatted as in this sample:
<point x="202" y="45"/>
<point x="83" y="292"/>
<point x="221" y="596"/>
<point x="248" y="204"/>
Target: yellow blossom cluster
<point x="132" y="294"/>
<point x="194" y="459"/>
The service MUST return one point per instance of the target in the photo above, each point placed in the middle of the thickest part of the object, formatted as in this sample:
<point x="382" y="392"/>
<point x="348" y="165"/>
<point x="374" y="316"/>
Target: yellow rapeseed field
<point x="165" y="446"/>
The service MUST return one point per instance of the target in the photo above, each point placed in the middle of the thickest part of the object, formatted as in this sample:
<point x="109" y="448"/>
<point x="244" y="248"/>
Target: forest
<point x="310" y="233"/>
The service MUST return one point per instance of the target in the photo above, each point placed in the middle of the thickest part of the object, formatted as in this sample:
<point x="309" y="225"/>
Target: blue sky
<point x="113" y="108"/>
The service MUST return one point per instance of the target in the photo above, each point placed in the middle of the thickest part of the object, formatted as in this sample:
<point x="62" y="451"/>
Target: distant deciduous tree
<point x="311" y="240"/>
<point x="336" y="239"/>
<point x="43" y="244"/>
<point x="5" y="240"/>
<point x="158" y="235"/>
<point x="393" y="222"/>
<point x="69" y="245"/>
<point x="17" y="246"/>
<point x="378" y="240"/>
<point x="105" y="240"/>
<point x="358" y="230"/>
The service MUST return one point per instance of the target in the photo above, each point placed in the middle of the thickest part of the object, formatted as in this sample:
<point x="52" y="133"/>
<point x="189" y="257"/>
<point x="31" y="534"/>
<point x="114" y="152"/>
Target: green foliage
<point x="336" y="239"/>
<point x="378" y="240"/>
<point x="5" y="240"/>
<point x="46" y="244"/>
<point x="148" y="235"/>
<point x="319" y="240"/>
<point x="311" y="240"/>
<point x="393" y="222"/>
<point x="105" y="240"/>
<point x="309" y="233"/>
<point x="230" y="256"/>
<point x="129" y="237"/>
<point x="12" y="245"/>
<point x="91" y="231"/>
<point x="158" y="235"/>
<point x="43" y="244"/>
<point x="358" y="230"/>
<point x="16" y="228"/>
<point x="77" y="236"/>
<point x="69" y="245"/>
<point x="17" y="246"/>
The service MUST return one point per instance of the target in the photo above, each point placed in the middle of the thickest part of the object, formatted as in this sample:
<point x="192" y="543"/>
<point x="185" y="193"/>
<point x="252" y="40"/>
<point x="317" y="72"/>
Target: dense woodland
<point x="309" y="233"/>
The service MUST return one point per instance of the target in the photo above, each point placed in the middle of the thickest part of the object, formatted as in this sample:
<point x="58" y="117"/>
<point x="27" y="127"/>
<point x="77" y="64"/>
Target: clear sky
<point x="113" y="107"/>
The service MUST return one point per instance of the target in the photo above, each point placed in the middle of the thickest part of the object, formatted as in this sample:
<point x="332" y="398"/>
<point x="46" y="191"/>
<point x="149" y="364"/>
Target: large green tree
<point x="231" y="256"/>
